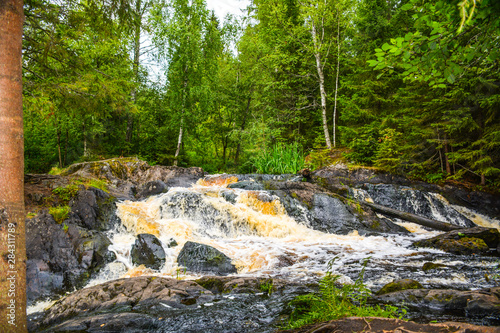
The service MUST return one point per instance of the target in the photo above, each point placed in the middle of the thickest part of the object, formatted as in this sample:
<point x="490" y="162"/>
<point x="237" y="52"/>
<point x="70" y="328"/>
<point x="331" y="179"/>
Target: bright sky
<point x="222" y="7"/>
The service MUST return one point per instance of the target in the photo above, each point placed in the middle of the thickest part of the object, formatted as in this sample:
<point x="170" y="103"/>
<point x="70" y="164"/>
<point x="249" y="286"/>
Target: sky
<point x="222" y="7"/>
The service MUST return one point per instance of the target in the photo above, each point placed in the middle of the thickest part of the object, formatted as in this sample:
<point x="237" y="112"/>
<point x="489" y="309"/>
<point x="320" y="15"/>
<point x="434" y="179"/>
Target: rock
<point x="331" y="215"/>
<point x="151" y="188"/>
<point x="476" y="240"/>
<point x="93" y="209"/>
<point x="172" y="176"/>
<point x="147" y="250"/>
<point x="193" y="206"/>
<point x="138" y="294"/>
<point x="484" y="303"/>
<point x="399" y="285"/>
<point x="123" y="168"/>
<point x="202" y="258"/>
<point x="249" y="185"/>
<point x="429" y="266"/>
<point x="421" y="203"/>
<point x="51" y="255"/>
<point x="61" y="259"/>
<point x="373" y="324"/>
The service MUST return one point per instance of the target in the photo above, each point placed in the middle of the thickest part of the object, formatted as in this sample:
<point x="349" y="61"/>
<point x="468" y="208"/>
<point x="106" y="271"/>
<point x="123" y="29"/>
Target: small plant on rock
<point x="334" y="302"/>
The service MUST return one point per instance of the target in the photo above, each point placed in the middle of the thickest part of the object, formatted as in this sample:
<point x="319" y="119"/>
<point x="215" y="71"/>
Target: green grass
<point x="335" y="302"/>
<point x="280" y="159"/>
<point x="60" y="213"/>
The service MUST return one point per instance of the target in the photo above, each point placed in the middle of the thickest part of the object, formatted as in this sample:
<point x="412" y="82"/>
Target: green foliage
<point x="280" y="159"/>
<point x="318" y="159"/>
<point x="334" y="302"/>
<point x="60" y="213"/>
<point x="267" y="286"/>
<point x="67" y="192"/>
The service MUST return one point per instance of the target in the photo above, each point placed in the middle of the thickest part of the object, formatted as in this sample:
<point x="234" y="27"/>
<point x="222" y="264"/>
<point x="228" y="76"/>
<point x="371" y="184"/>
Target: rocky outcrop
<point x="61" y="258"/>
<point x="148" y="189"/>
<point x="131" y="295"/>
<point x="147" y="250"/>
<point x="329" y="212"/>
<point x="476" y="240"/>
<point x="382" y="325"/>
<point x="202" y="258"/>
<point x="157" y="304"/>
<point x="483" y="304"/>
<point x="337" y="177"/>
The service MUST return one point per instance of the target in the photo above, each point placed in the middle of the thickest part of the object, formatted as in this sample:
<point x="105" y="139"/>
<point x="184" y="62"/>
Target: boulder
<point x="399" y="285"/>
<point x="151" y="188"/>
<point x="61" y="257"/>
<point x="202" y="258"/>
<point x="93" y="209"/>
<point x="249" y="185"/>
<point x="172" y="176"/>
<point x="476" y="240"/>
<point x="147" y="250"/>
<point x="331" y="215"/>
<point x="483" y="303"/>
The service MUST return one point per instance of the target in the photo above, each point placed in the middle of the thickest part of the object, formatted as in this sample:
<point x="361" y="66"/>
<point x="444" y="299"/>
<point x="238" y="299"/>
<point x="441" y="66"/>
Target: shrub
<point x="334" y="302"/>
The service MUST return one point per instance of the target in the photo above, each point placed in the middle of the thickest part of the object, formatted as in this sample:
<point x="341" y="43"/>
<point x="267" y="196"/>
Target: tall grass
<point x="281" y="158"/>
<point x="335" y="302"/>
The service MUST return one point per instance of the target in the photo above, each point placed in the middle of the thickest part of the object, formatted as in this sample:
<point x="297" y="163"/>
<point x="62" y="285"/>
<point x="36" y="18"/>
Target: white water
<point x="255" y="232"/>
<point x="263" y="240"/>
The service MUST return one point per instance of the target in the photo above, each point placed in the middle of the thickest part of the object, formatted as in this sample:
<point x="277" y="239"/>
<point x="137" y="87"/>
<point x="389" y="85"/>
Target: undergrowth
<point x="280" y="159"/>
<point x="60" y="213"/>
<point x="335" y="302"/>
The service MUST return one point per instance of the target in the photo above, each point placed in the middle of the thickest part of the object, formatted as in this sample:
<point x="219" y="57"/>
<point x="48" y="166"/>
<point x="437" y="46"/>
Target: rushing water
<point x="253" y="229"/>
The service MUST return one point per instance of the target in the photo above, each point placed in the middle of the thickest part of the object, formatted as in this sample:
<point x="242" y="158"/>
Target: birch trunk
<point x="179" y="141"/>
<point x="321" y="81"/>
<point x="336" y="84"/>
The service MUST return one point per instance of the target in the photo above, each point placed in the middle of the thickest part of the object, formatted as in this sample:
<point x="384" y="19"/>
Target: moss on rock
<point x="399" y="285"/>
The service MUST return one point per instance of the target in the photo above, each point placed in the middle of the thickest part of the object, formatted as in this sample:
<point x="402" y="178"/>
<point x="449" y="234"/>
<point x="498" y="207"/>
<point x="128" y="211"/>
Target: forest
<point x="406" y="86"/>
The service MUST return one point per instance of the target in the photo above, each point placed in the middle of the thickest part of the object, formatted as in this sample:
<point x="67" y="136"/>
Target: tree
<point x="12" y="227"/>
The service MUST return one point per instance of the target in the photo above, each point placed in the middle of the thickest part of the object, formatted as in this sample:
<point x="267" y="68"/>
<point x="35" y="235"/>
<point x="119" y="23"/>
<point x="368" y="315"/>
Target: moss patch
<point x="399" y="285"/>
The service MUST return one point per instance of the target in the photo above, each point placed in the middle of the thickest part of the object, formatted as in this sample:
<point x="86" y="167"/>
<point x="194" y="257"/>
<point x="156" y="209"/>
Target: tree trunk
<point x="135" y="67"/>
<point x="179" y="141"/>
<point x="446" y="161"/>
<point x="242" y="128"/>
<point x="336" y="83"/>
<point x="412" y="217"/>
<point x="12" y="226"/>
<point x="58" y="131"/>
<point x="321" y="81"/>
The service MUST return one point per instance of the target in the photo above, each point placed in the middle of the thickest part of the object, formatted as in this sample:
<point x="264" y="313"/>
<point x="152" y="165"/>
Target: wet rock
<point x="202" y="258"/>
<point x="193" y="206"/>
<point x="229" y="196"/>
<point x="155" y="304"/>
<point x="61" y="258"/>
<point x="172" y="176"/>
<point x="172" y="243"/>
<point x="51" y="255"/>
<point x="429" y="266"/>
<point x="476" y="240"/>
<point x="93" y="209"/>
<point x="153" y="187"/>
<point x="484" y="303"/>
<point x="147" y="250"/>
<point x="140" y="294"/>
<point x="416" y="202"/>
<point x="249" y="185"/>
<point x="331" y="215"/>
<point x="399" y="285"/>
<point x="372" y="324"/>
